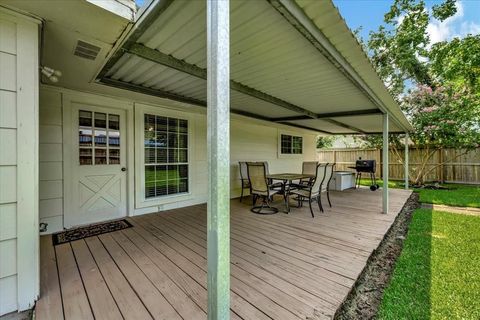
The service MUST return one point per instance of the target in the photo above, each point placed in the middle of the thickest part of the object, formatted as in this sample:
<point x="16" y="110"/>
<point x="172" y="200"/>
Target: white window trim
<point x="140" y="200"/>
<point x="281" y="155"/>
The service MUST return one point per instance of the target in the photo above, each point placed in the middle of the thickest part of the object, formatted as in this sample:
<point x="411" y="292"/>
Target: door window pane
<point x="85" y="156"/>
<point x="98" y="144"/>
<point x="114" y="138"/>
<point x="114" y="156"/>
<point x="84" y="137"/>
<point x="100" y="120"/>
<point x="113" y="122"/>
<point x="166" y="149"/>
<point x="100" y="138"/>
<point x="85" y="118"/>
<point x="100" y="156"/>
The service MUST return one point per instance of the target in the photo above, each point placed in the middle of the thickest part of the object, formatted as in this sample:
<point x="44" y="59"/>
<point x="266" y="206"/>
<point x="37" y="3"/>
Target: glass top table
<point x="287" y="179"/>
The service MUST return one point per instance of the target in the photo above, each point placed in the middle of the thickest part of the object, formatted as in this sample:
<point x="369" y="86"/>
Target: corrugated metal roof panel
<point x="267" y="54"/>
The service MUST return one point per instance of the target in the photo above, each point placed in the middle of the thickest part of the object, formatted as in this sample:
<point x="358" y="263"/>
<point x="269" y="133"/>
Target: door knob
<point x="124" y="169"/>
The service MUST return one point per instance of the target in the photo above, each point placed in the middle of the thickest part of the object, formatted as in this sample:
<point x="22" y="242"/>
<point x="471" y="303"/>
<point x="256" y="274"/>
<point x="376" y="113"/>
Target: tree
<point x="437" y="85"/>
<point x="325" y="142"/>
<point x="457" y="62"/>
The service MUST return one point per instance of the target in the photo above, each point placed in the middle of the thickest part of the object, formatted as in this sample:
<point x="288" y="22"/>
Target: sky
<point x="369" y="14"/>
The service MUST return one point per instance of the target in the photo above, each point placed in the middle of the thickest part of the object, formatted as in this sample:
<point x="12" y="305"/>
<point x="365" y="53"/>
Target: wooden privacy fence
<point x="463" y="168"/>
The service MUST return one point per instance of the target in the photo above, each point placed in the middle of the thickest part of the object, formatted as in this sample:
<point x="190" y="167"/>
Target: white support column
<point x="407" y="138"/>
<point x="218" y="135"/>
<point x="385" y="164"/>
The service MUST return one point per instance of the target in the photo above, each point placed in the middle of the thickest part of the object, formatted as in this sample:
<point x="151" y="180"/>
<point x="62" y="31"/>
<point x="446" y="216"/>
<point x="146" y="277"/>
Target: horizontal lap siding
<point x="51" y="161"/>
<point x="8" y="167"/>
<point x="249" y="141"/>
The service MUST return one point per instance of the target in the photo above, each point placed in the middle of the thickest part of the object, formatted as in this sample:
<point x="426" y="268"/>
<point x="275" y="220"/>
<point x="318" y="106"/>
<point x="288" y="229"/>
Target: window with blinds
<point x="166" y="156"/>
<point x="291" y="144"/>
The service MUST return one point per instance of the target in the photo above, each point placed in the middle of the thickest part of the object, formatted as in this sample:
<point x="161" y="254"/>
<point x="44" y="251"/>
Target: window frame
<point x="290" y="155"/>
<point x="141" y="201"/>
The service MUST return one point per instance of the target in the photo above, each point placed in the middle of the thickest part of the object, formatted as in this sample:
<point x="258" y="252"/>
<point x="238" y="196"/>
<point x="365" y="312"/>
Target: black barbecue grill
<point x="368" y="167"/>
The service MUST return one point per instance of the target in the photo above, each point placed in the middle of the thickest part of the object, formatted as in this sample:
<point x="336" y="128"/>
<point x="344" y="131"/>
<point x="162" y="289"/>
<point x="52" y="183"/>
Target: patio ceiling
<point x="292" y="62"/>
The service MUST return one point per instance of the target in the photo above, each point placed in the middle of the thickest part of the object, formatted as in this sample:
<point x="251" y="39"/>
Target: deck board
<point x="283" y="266"/>
<point x="101" y="300"/>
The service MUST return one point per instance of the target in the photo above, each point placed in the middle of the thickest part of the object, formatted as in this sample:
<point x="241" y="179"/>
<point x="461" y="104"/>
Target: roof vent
<point x="86" y="50"/>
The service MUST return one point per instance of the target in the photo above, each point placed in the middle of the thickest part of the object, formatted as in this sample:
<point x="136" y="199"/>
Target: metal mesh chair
<point x="244" y="177"/>
<point x="328" y="177"/>
<point x="308" y="167"/>
<point x="312" y="191"/>
<point x="260" y="188"/>
<point x="278" y="185"/>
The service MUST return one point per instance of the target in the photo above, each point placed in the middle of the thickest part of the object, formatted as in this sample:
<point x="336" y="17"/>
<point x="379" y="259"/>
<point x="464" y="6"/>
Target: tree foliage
<point x="457" y="62"/>
<point x="325" y="142"/>
<point x="437" y="85"/>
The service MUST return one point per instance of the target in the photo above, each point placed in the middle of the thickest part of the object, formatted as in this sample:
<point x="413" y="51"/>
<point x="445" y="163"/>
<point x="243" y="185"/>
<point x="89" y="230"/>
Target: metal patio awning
<point x="292" y="62"/>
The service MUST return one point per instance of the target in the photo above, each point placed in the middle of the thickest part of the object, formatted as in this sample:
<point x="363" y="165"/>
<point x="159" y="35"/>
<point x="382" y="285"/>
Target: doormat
<point x="89" y="231"/>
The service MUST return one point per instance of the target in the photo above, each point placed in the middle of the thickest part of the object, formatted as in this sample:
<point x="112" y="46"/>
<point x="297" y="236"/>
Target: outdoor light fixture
<point x="50" y="73"/>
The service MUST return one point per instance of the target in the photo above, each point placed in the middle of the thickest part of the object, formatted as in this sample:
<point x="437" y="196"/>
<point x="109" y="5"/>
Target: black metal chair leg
<point x="328" y="198"/>
<point x="311" y="209"/>
<point x="319" y="199"/>
<point x="241" y="195"/>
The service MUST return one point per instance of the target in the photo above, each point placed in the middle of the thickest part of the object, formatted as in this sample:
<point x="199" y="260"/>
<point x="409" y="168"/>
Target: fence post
<point x="440" y="159"/>
<point x="334" y="156"/>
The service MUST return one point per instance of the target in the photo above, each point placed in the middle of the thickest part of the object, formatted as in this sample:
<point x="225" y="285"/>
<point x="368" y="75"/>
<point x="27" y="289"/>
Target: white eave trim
<point x="123" y="8"/>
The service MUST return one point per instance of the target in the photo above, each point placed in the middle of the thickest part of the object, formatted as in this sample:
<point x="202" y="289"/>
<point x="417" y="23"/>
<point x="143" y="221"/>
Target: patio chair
<point x="260" y="188"/>
<point x="277" y="185"/>
<point x="308" y="167"/>
<point x="328" y="177"/>
<point x="313" y="190"/>
<point x="244" y="177"/>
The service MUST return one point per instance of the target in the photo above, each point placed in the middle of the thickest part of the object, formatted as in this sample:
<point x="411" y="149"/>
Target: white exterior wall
<point x="251" y="140"/>
<point x="18" y="162"/>
<point x="51" y="160"/>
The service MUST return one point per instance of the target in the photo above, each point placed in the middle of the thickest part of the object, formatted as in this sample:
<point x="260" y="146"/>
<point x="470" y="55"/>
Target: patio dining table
<point x="286" y="179"/>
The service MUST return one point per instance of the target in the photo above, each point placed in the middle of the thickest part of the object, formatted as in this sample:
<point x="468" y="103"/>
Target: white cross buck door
<point x="99" y="166"/>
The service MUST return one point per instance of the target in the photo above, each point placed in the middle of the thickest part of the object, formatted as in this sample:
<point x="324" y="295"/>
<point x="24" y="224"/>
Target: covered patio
<point x="283" y="266"/>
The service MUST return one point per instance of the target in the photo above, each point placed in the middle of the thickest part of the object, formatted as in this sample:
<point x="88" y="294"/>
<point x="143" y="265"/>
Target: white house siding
<point x="18" y="162"/>
<point x="51" y="160"/>
<point x="250" y="140"/>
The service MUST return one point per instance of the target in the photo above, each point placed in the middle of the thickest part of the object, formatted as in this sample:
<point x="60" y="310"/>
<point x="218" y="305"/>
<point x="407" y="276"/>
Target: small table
<point x="287" y="179"/>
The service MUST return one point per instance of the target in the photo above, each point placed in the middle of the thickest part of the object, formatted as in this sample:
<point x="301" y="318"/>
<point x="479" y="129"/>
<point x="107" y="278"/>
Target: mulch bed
<point x="364" y="299"/>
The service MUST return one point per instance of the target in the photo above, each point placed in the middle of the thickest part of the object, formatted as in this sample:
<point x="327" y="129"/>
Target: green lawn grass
<point x="437" y="275"/>
<point x="459" y="195"/>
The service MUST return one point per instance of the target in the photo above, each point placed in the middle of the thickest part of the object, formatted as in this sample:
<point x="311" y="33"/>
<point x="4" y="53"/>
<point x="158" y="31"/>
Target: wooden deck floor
<point x="282" y="266"/>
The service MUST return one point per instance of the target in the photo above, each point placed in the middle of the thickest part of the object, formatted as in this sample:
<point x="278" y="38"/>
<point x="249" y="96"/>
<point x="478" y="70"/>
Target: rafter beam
<point x="176" y="97"/>
<point x="305" y="127"/>
<point x="332" y="115"/>
<point x="169" y="61"/>
<point x="152" y="92"/>
<point x="344" y="125"/>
